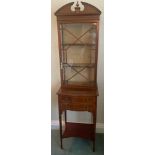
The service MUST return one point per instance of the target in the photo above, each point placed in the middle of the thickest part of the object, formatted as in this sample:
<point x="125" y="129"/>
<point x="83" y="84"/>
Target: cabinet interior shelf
<point x="89" y="65"/>
<point x="88" y="83"/>
<point x="80" y="44"/>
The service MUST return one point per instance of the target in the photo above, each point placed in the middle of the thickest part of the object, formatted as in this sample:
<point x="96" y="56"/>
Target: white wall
<point x="82" y="117"/>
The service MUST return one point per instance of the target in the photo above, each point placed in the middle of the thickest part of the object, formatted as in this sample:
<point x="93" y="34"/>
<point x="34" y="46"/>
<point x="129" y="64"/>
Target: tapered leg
<point x="94" y="145"/>
<point x="94" y="122"/>
<point x="65" y="116"/>
<point x="94" y="138"/>
<point x="60" y="122"/>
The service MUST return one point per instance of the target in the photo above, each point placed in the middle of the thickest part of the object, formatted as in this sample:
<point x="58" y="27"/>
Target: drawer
<point x="75" y="103"/>
<point x="79" y="106"/>
<point x="83" y="99"/>
<point x="75" y="99"/>
<point x="65" y="99"/>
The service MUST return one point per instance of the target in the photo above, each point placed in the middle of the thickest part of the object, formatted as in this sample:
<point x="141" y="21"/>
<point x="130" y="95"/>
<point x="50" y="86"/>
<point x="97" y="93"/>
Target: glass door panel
<point x="79" y="33"/>
<point x="78" y="47"/>
<point x="78" y="75"/>
<point x="79" y="54"/>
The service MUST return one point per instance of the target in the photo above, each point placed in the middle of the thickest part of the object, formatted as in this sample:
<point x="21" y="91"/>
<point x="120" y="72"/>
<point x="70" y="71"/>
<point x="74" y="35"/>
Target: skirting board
<point x="99" y="126"/>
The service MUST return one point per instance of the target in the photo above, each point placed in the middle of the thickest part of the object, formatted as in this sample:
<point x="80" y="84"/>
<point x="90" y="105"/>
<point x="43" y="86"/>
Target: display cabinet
<point x="78" y="33"/>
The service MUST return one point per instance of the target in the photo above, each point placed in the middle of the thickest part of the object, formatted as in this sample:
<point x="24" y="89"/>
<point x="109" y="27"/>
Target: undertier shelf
<point x="79" y="130"/>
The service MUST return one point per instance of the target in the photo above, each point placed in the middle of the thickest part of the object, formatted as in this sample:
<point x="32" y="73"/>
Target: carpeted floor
<point x="76" y="146"/>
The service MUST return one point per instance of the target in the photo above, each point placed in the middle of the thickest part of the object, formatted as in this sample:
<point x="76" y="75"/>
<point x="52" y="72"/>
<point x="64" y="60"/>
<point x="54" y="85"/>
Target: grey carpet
<point x="76" y="146"/>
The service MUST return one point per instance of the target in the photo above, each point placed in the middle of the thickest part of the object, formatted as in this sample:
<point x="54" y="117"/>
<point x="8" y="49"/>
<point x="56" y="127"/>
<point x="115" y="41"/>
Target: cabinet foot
<point x="93" y="146"/>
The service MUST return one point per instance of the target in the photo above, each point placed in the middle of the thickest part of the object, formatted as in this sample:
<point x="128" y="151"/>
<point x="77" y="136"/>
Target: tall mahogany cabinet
<point x="78" y="32"/>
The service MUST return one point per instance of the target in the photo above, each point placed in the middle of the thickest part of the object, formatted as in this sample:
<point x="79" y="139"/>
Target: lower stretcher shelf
<point x="79" y="130"/>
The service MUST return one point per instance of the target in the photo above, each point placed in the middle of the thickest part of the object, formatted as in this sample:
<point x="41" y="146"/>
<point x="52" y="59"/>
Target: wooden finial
<point x="77" y="4"/>
<point x="77" y="8"/>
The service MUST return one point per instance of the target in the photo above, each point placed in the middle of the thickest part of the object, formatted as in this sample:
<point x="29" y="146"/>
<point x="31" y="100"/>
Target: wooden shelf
<point x="78" y="92"/>
<point x="86" y="44"/>
<point x="79" y="130"/>
<point x="88" y="84"/>
<point x="89" y="65"/>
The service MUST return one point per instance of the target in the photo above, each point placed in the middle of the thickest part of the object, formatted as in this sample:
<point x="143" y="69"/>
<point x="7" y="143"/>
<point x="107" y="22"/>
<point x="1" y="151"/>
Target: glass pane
<point x="79" y="54"/>
<point x="79" y="74"/>
<point x="79" y="33"/>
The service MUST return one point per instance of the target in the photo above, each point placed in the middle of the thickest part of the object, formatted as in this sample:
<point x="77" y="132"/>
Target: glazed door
<point x="78" y="53"/>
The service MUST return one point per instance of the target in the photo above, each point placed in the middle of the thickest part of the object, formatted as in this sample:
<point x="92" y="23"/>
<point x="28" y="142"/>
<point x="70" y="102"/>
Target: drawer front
<point x="74" y="99"/>
<point x="78" y="103"/>
<point x="65" y="99"/>
<point x="79" y="107"/>
<point x="84" y="100"/>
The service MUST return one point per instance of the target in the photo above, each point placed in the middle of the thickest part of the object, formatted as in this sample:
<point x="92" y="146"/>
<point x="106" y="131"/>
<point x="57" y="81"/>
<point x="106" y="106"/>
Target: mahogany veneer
<point x="78" y="50"/>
